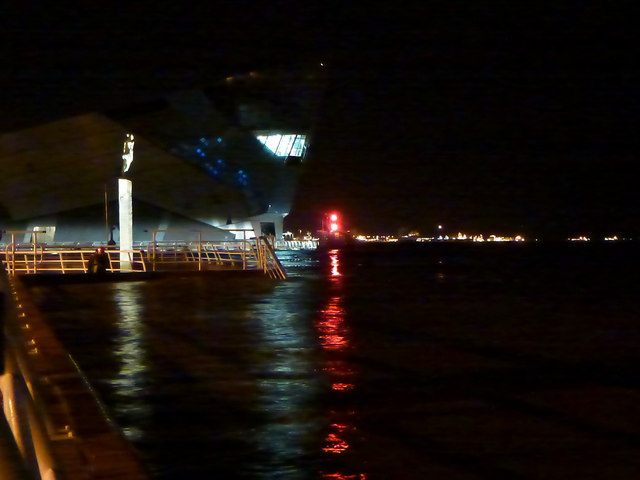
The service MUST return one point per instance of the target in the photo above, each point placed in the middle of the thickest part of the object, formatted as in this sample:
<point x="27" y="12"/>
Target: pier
<point x="255" y="254"/>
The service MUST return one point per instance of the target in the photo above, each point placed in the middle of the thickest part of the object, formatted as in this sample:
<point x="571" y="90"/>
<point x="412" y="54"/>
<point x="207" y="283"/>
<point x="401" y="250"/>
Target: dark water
<point x="421" y="361"/>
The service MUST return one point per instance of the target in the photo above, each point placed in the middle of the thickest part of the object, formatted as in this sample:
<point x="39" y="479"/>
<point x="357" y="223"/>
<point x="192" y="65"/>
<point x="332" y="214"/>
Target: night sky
<point x="486" y="117"/>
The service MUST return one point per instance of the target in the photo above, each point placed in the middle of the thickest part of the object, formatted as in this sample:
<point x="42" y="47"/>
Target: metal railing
<point x="59" y="426"/>
<point x="43" y="259"/>
<point x="251" y="254"/>
<point x="268" y="260"/>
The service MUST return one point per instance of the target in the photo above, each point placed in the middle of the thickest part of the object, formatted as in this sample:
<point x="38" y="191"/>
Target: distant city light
<point x="460" y="237"/>
<point x="334" y="227"/>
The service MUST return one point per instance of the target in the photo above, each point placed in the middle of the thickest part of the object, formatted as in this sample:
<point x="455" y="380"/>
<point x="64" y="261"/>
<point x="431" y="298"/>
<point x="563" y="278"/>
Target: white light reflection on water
<point x="132" y="377"/>
<point x="287" y="381"/>
<point x="333" y="334"/>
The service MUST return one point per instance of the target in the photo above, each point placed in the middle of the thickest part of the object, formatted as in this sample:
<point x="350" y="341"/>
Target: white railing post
<point x="12" y="263"/>
<point x="199" y="251"/>
<point x="244" y="249"/>
<point x="35" y="252"/>
<point x="13" y="253"/>
<point x="153" y="252"/>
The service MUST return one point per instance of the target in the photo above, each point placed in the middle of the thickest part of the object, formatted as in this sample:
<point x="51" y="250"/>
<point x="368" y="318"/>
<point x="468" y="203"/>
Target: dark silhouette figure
<point x="99" y="262"/>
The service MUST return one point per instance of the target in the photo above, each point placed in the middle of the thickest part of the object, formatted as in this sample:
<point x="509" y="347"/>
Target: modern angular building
<point x="207" y="162"/>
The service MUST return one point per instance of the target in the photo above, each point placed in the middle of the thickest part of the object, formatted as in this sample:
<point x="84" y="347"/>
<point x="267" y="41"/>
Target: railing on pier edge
<point x="251" y="254"/>
<point x="59" y="426"/>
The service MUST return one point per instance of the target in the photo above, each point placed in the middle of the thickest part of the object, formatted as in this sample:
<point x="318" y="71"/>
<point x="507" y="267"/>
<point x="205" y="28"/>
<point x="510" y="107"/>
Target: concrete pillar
<point x="126" y="221"/>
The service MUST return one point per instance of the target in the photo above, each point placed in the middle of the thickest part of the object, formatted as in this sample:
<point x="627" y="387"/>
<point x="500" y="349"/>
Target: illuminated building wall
<point x="212" y="158"/>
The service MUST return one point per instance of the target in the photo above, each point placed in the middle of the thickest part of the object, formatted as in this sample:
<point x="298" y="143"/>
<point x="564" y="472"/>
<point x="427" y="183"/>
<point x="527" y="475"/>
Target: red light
<point x="334" y="222"/>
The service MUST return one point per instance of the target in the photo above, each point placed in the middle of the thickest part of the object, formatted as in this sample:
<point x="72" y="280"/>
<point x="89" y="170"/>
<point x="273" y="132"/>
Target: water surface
<point x="382" y="362"/>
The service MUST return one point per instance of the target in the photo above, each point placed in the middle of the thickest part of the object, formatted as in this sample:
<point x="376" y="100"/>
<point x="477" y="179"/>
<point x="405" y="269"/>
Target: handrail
<point x="246" y="254"/>
<point x="60" y="426"/>
<point x="272" y="264"/>
<point x="67" y="260"/>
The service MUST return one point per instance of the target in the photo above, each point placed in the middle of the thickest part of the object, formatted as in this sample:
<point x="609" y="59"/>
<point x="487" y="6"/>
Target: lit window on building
<point x="288" y="145"/>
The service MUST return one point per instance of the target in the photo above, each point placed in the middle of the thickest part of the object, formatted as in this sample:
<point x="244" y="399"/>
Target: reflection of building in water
<point x="334" y="337"/>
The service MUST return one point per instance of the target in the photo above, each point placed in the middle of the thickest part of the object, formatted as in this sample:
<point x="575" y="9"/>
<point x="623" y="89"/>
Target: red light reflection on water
<point x="334" y="258"/>
<point x="331" y="325"/>
<point x="334" y="336"/>
<point x="338" y="368"/>
<point x="342" y="386"/>
<point x="342" y="476"/>
<point x="335" y="442"/>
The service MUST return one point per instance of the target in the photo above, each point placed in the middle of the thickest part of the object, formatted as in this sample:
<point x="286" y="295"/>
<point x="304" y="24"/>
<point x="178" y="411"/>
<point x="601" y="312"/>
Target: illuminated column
<point x="125" y="204"/>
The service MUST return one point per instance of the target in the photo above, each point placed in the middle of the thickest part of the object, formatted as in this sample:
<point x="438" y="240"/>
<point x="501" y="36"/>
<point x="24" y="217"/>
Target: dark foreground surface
<point x="382" y="362"/>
